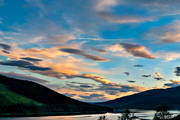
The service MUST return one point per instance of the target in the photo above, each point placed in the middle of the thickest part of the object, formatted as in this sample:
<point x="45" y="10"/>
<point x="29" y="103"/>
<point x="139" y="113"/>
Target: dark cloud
<point x="138" y="65"/>
<point x="137" y="50"/>
<point x="131" y="81"/>
<point x="82" y="53"/>
<point x="85" y="86"/>
<point x="146" y="75"/>
<point x="79" y="86"/>
<point x="31" y="59"/>
<point x="5" y="46"/>
<point x="177" y="71"/>
<point x="170" y="84"/>
<point x="174" y="83"/>
<point x="127" y="73"/>
<point x="69" y="95"/>
<point x="125" y="88"/>
<point x="93" y="96"/>
<point x="116" y="89"/>
<point x="24" y="64"/>
<point x="99" y="50"/>
<point x="23" y="77"/>
<point x="4" y="51"/>
<point x="158" y="78"/>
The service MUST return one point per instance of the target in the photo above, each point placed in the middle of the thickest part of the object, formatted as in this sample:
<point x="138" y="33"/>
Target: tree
<point x="162" y="113"/>
<point x="127" y="115"/>
<point x="103" y="118"/>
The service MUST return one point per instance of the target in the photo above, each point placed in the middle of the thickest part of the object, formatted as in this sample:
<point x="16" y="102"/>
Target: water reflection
<point x="143" y="114"/>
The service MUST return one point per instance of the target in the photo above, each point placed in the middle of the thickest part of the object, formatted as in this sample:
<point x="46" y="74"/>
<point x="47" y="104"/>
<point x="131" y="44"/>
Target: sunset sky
<point x="92" y="50"/>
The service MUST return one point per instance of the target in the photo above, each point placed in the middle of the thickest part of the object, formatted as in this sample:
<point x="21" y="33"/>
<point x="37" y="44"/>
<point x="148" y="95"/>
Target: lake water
<point x="145" y="114"/>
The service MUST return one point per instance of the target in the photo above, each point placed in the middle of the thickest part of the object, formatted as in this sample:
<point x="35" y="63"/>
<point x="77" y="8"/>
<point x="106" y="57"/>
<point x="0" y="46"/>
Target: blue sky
<point x="92" y="50"/>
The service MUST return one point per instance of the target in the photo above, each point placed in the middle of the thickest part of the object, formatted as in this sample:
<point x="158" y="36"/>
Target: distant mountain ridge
<point x="20" y="97"/>
<point x="147" y="100"/>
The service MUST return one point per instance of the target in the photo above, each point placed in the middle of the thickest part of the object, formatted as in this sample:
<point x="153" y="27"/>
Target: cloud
<point x="126" y="49"/>
<point x="174" y="83"/>
<point x="98" y="50"/>
<point x="5" y="46"/>
<point x="82" y="53"/>
<point x="118" y="88"/>
<point x="24" y="64"/>
<point x="60" y="39"/>
<point x="4" y="51"/>
<point x="155" y="7"/>
<point x="23" y="77"/>
<point x="158" y="78"/>
<point x="69" y="95"/>
<point x="50" y="62"/>
<point x="80" y="86"/>
<point x="146" y="75"/>
<point x="123" y="19"/>
<point x="131" y="81"/>
<point x="97" y="78"/>
<point x="108" y="86"/>
<point x="168" y="56"/>
<point x="158" y="75"/>
<point x="31" y="59"/>
<point x="105" y="5"/>
<point x="167" y="34"/>
<point x="127" y="73"/>
<point x="55" y="40"/>
<point x="138" y="65"/>
<point x="177" y="71"/>
<point x="94" y="96"/>
<point x="85" y="86"/>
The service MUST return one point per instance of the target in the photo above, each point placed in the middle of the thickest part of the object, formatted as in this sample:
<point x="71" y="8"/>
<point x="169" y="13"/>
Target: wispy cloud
<point x="168" y="56"/>
<point x="23" y="77"/>
<point x="126" y="49"/>
<point x="167" y="34"/>
<point x="123" y="19"/>
<point x="82" y="53"/>
<point x="31" y="59"/>
<point x="5" y="46"/>
<point x="174" y="83"/>
<point x="177" y="71"/>
<point x="105" y="5"/>
<point x="24" y="64"/>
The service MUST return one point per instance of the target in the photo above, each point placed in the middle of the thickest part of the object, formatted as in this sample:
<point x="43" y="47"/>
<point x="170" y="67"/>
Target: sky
<point x="92" y="50"/>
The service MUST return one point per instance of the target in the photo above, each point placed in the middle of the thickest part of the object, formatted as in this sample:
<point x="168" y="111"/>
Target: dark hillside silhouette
<point x="25" y="97"/>
<point x="147" y="100"/>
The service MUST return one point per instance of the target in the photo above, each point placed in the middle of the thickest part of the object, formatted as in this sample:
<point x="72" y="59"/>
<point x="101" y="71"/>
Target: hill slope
<point x="147" y="100"/>
<point x="19" y="97"/>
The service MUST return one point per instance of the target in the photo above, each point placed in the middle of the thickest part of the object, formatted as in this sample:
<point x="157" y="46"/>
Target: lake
<point x="142" y="114"/>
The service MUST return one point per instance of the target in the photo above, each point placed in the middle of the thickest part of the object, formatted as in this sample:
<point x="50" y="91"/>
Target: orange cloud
<point x="104" y="5"/>
<point x="123" y="19"/>
<point x="126" y="49"/>
<point x="168" y="56"/>
<point x="158" y="75"/>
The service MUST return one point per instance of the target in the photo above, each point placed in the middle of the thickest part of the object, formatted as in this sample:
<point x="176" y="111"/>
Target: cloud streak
<point x="24" y="64"/>
<point x="126" y="49"/>
<point x="23" y="77"/>
<point x="166" y="34"/>
<point x="82" y="53"/>
<point x="123" y="19"/>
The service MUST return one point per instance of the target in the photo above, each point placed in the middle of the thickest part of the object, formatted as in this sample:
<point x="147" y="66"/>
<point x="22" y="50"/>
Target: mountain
<point x="147" y="100"/>
<point x="21" y="98"/>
